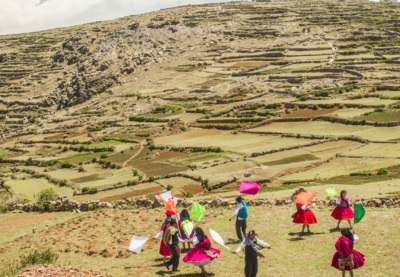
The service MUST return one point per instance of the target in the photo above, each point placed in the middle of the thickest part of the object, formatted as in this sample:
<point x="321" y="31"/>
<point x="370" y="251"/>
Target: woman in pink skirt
<point x="164" y="249"/>
<point x="346" y="258"/>
<point x="343" y="210"/>
<point x="202" y="253"/>
<point x="304" y="216"/>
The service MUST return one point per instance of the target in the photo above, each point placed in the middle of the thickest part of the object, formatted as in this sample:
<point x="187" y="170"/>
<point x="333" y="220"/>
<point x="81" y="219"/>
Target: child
<point x="346" y="258"/>
<point x="184" y="216"/>
<point x="304" y="216"/>
<point x="202" y="253"/>
<point x="343" y="210"/>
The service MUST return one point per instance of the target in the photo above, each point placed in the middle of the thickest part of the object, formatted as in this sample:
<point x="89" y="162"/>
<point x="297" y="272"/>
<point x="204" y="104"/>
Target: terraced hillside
<point x="202" y="97"/>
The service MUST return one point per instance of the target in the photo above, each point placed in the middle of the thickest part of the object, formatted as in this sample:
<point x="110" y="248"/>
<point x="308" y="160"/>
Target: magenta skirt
<point x="358" y="260"/>
<point x="341" y="213"/>
<point x="164" y="250"/>
<point x="197" y="254"/>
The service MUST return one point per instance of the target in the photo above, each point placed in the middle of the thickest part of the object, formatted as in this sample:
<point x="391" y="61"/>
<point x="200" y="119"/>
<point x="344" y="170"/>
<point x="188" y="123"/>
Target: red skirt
<point x="358" y="260"/>
<point x="164" y="250"/>
<point x="305" y="217"/>
<point x="341" y="213"/>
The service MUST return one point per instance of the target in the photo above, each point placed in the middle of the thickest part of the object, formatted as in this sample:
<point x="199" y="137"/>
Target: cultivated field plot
<point x="239" y="143"/>
<point x="377" y="150"/>
<point x="34" y="186"/>
<point x="342" y="166"/>
<point x="373" y="102"/>
<point x="320" y="128"/>
<point x="349" y="113"/>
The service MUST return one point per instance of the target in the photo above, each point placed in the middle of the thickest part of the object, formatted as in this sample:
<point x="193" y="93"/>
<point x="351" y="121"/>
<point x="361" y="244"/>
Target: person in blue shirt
<point x="241" y="215"/>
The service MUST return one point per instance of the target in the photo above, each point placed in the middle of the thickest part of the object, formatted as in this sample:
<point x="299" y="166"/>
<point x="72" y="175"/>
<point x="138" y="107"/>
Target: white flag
<point x="218" y="239"/>
<point x="137" y="244"/>
<point x="166" y="195"/>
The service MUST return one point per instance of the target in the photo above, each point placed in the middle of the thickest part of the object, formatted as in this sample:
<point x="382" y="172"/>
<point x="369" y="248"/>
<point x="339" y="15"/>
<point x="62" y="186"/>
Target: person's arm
<point x="240" y="248"/>
<point x="356" y="238"/>
<point x="348" y="199"/>
<point x="195" y="240"/>
<point x="159" y="235"/>
<point x="338" y="201"/>
<point x="238" y="207"/>
<point x="263" y="243"/>
<point x="173" y="231"/>
<point x="303" y="207"/>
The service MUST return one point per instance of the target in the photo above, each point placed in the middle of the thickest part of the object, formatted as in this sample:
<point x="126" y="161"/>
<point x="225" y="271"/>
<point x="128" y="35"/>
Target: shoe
<point x="175" y="270"/>
<point x="167" y="266"/>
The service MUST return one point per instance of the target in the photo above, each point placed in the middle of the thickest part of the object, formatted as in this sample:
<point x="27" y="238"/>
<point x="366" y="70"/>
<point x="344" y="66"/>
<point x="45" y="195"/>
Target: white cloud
<point x="21" y="16"/>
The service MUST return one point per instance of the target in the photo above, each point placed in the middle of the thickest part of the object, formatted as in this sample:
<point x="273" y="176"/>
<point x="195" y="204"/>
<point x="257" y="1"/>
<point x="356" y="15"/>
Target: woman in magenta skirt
<point x="343" y="210"/>
<point x="304" y="216"/>
<point x="202" y="253"/>
<point x="346" y="258"/>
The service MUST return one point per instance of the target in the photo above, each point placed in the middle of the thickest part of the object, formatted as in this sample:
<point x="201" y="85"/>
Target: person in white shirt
<point x="251" y="246"/>
<point x="241" y="214"/>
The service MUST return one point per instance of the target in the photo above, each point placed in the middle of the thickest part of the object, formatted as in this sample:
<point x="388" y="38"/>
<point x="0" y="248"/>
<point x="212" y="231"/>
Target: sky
<point x="23" y="16"/>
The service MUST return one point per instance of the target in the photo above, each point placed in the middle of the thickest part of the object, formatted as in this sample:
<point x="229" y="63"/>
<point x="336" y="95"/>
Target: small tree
<point x="170" y="187"/>
<point x="45" y="196"/>
<point x="62" y="183"/>
<point x="383" y="171"/>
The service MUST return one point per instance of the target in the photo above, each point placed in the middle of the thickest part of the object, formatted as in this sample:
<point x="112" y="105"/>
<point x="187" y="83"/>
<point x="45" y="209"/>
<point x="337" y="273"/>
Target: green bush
<point x="62" y="183"/>
<point x="189" y="195"/>
<point x="104" y="156"/>
<point x="67" y="165"/>
<point x="51" y="208"/>
<point x="170" y="187"/>
<point x="38" y="257"/>
<point x="85" y="189"/>
<point x="91" y="207"/>
<point x="81" y="169"/>
<point x="383" y="171"/>
<point x="46" y="195"/>
<point x="152" y="179"/>
<point x="93" y="190"/>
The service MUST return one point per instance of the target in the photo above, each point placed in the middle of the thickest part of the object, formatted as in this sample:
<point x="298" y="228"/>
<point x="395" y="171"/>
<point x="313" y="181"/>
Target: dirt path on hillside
<point x="131" y="158"/>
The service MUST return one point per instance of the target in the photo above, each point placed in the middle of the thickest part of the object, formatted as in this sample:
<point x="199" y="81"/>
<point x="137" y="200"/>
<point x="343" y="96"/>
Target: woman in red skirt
<point x="343" y="210"/>
<point x="304" y="216"/>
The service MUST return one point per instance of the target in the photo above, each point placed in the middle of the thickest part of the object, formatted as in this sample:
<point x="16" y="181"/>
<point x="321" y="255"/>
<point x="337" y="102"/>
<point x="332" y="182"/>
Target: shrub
<point x="152" y="179"/>
<point x="140" y="177"/>
<point x="104" y="156"/>
<point x="62" y="183"/>
<point x="65" y="149"/>
<point x="341" y="106"/>
<point x="135" y="172"/>
<point x="85" y="189"/>
<point x="38" y="257"/>
<point x="91" y="207"/>
<point x="170" y="187"/>
<point x="383" y="171"/>
<point x="93" y="190"/>
<point x="67" y="165"/>
<point x="74" y="193"/>
<point x="46" y="195"/>
<point x="81" y="148"/>
<point x="50" y="208"/>
<point x="189" y="195"/>
<point x="94" y="160"/>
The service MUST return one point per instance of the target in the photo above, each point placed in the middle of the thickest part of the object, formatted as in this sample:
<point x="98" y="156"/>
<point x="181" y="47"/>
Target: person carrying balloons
<point x="343" y="210"/>
<point x="251" y="246"/>
<point x="202" y="254"/>
<point x="241" y="214"/>
<point x="346" y="258"/>
<point x="304" y="214"/>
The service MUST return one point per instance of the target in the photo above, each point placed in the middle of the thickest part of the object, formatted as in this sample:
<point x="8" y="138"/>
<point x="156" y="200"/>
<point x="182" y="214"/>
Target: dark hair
<point x="347" y="234"/>
<point x="251" y="233"/>
<point x="199" y="234"/>
<point x="239" y="199"/>
<point x="184" y="215"/>
<point x="342" y="192"/>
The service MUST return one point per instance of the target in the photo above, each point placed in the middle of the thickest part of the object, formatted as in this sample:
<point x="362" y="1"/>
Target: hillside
<point x="288" y="94"/>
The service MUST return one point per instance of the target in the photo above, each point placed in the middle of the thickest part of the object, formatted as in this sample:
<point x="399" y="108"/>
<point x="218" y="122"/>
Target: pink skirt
<point x="358" y="260"/>
<point x="341" y="213"/>
<point x="164" y="250"/>
<point x="197" y="256"/>
<point x="305" y="217"/>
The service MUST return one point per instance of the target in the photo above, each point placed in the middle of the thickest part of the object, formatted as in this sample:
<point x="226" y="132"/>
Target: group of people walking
<point x="345" y="258"/>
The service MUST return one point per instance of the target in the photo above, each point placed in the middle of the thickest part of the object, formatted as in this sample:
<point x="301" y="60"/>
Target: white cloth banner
<point x="218" y="239"/>
<point x="159" y="235"/>
<point x="137" y="244"/>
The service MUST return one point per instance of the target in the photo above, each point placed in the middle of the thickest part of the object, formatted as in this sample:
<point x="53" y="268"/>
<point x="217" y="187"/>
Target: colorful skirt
<point x="358" y="260"/>
<point x="184" y="236"/>
<point x="341" y="213"/>
<point x="305" y="217"/>
<point x="200" y="256"/>
<point x="165" y="251"/>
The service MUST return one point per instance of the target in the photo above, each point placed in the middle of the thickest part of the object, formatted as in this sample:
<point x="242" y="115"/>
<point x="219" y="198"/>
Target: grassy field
<point x="91" y="241"/>
<point x="381" y="117"/>
<point x="293" y="159"/>
<point x="31" y="186"/>
<point x="331" y="129"/>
